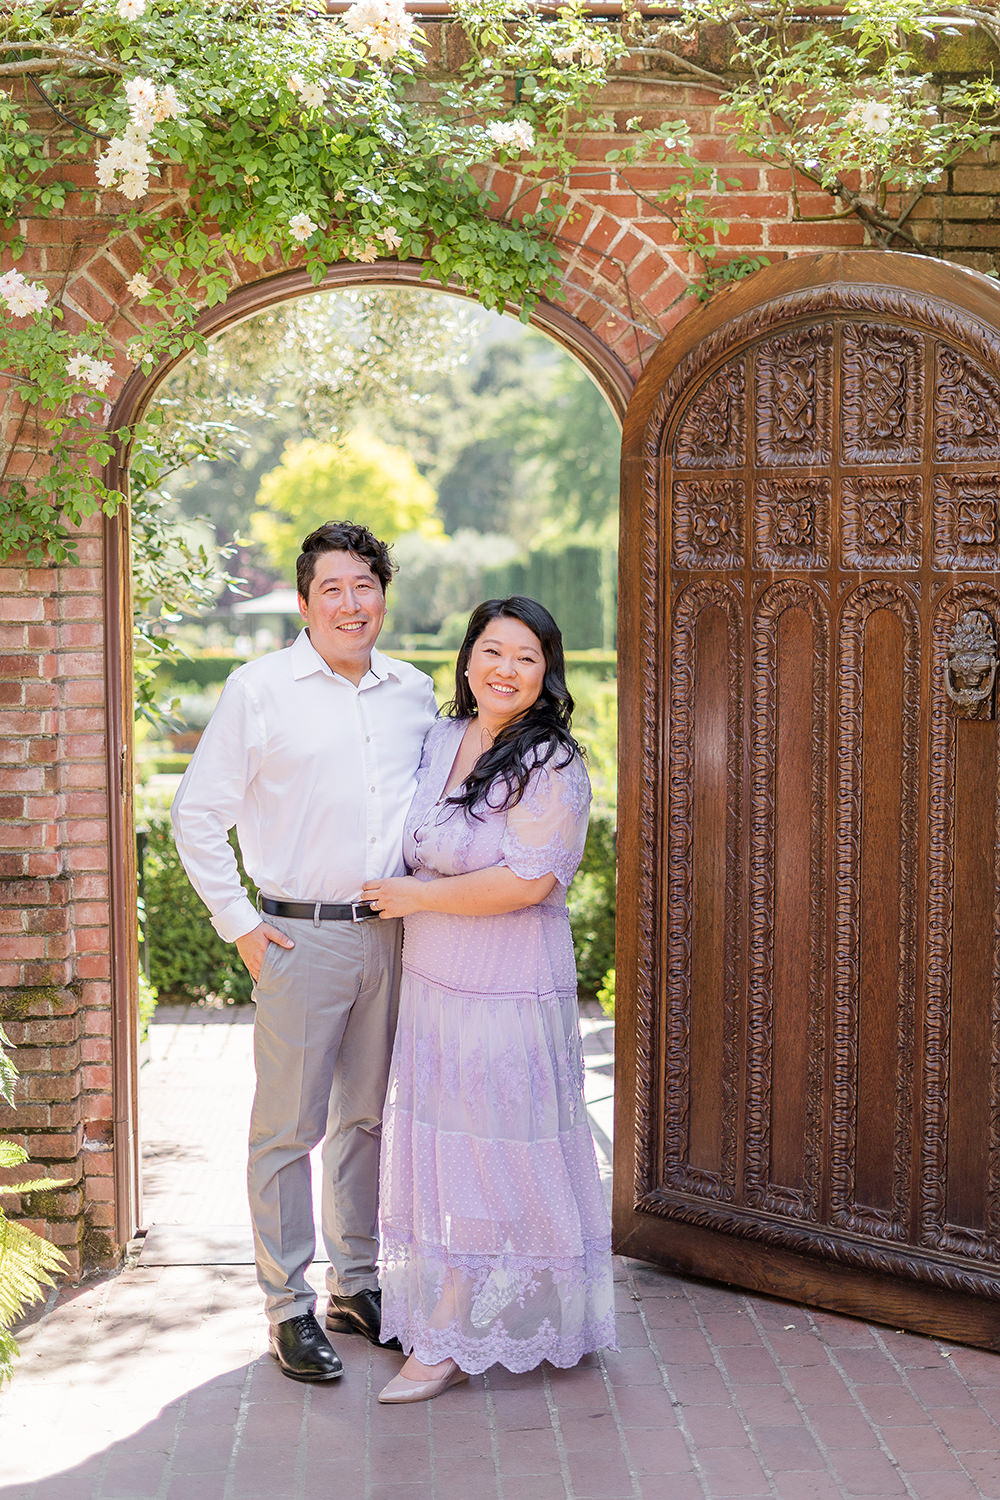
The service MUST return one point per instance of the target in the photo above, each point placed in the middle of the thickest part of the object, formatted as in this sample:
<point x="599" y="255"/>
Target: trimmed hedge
<point x="578" y="584"/>
<point x="187" y="958"/>
<point x="207" y="671"/>
<point x="189" y="961"/>
<point x="591" y="903"/>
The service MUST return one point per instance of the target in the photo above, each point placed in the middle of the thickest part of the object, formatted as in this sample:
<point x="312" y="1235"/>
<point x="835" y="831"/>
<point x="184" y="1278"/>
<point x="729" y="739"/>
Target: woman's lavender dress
<point x="495" y="1235"/>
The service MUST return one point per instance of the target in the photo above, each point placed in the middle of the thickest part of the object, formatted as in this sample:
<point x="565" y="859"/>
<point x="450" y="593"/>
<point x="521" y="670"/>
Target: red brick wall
<point x="625" y="280"/>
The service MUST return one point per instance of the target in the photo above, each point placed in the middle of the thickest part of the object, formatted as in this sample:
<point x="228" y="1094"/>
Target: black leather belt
<point x="319" y="911"/>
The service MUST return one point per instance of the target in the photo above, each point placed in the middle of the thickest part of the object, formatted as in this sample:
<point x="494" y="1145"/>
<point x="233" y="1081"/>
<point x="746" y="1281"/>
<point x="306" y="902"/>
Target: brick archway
<point x="573" y="335"/>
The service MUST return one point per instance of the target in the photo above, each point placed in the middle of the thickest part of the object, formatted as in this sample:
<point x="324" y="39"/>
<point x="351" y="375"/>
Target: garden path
<point x="154" y="1383"/>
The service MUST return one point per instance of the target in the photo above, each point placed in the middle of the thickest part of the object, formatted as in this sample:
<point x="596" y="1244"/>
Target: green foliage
<point x="569" y="581"/>
<point x="293" y="128"/>
<point x="148" y="997"/>
<point x="27" y="1262"/>
<point x="606" y="994"/>
<point x="187" y="958"/>
<point x="854" y="107"/>
<point x="591" y="903"/>
<point x="358" y="476"/>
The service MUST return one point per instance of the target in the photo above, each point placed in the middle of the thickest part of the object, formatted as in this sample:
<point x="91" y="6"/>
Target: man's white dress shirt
<point x="315" y="774"/>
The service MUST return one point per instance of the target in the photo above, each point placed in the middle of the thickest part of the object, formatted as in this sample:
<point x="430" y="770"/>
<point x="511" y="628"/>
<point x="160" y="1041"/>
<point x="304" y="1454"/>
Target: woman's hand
<point x="398" y="896"/>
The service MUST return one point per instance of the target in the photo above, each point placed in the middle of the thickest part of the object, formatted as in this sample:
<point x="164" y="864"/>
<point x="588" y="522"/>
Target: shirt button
<point x="373" y="841"/>
<point x="371" y="788"/>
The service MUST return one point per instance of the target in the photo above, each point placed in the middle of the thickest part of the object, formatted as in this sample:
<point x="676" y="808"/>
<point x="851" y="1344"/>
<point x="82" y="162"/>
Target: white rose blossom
<point x="872" y="116"/>
<point x="391" y="239"/>
<point x="511" y="134"/>
<point x="125" y="162"/>
<point x="131" y="10"/>
<point x="95" y="372"/>
<point x="168" y="106"/>
<point x="563" y="54"/>
<point x="384" y="26"/>
<point x="22" y="297"/>
<point x="140" y="286"/>
<point x="312" y="95"/>
<point x="302" y="227"/>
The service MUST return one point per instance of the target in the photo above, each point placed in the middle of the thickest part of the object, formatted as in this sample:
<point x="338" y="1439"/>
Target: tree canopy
<point x="358" y="477"/>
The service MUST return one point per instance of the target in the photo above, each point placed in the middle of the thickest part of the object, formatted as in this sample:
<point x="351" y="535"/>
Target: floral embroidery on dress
<point x="494" y="1229"/>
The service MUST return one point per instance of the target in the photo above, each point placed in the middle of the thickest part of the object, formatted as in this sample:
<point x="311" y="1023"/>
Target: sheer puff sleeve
<point x="546" y="831"/>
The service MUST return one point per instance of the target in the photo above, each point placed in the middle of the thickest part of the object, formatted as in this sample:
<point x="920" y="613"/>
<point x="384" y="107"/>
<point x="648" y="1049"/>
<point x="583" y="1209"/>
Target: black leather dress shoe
<point x="303" y="1350"/>
<point x="362" y="1314"/>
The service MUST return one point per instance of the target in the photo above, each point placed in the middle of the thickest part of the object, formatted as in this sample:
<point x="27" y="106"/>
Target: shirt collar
<point x="306" y="660"/>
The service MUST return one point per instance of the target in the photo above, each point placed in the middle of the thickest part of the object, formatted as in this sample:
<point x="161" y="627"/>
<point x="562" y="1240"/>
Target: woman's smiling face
<point x="506" y="671"/>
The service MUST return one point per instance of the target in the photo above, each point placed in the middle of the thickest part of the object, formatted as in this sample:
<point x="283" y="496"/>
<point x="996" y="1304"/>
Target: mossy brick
<point x="98" y="1247"/>
<point x="55" y="1205"/>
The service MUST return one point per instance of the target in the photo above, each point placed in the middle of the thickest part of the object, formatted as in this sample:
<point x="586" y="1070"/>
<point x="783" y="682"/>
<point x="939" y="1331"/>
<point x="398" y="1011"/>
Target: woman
<point x="495" y="1235"/>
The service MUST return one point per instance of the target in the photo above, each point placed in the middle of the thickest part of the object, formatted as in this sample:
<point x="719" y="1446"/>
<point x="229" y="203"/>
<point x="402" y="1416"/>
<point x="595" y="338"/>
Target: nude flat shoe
<point x="401" y="1389"/>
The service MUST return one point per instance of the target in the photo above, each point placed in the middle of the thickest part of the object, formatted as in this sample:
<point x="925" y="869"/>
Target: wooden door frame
<point x="616" y="383"/>
<point x="940" y="1298"/>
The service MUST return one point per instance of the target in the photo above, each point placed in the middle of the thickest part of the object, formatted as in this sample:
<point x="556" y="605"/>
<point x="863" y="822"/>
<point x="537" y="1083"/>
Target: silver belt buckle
<point x="357" y="916"/>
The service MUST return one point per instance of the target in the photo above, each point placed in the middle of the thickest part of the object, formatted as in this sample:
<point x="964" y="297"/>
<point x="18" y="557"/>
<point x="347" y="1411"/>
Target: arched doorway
<point x="808" y="1097"/>
<point x="574" y="337"/>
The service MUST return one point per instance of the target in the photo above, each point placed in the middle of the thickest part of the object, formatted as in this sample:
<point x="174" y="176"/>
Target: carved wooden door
<point x="809" y="946"/>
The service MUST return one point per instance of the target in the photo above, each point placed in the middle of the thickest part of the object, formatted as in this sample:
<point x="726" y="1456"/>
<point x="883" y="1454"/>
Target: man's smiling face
<point x="344" y="612"/>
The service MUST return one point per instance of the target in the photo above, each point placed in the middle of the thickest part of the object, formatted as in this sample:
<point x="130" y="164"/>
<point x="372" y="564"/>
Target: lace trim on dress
<point x="493" y="1287"/>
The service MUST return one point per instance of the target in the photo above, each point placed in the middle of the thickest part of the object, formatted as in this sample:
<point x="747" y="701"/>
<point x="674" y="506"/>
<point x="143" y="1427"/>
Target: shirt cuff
<point x="237" y="919"/>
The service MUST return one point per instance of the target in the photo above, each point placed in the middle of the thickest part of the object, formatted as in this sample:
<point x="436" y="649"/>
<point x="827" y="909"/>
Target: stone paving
<point x="154" y="1383"/>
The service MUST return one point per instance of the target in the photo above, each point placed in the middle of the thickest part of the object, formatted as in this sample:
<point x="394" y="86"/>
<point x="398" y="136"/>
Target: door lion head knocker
<point x="971" y="666"/>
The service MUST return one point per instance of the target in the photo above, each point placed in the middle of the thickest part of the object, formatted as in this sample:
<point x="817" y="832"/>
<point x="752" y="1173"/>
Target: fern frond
<point x="11" y="1155"/>
<point x="36" y="1185"/>
<point x="8" y="1351"/>
<point x="8" y="1072"/>
<point x="26" y="1261"/>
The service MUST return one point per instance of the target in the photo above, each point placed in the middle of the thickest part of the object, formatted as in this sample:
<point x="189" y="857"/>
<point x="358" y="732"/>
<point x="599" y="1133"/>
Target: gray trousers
<point x="323" y="1032"/>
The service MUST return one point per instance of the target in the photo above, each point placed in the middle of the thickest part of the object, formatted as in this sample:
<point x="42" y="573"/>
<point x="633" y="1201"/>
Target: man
<point x="311" y="754"/>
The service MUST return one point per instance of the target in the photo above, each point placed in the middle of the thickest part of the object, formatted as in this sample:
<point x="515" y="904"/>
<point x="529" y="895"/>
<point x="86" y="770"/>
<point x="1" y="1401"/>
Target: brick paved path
<point x="154" y="1384"/>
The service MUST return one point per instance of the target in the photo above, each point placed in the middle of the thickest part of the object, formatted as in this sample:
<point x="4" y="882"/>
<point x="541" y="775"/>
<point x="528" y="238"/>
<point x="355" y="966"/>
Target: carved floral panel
<point x="883" y="394"/>
<point x="711" y="434"/>
<point x="966" y="409"/>
<point x="794" y="403"/>
<point x="880" y="521"/>
<point x="791" y="523"/>
<point x="708" y="523"/>
<point x="967" y="521"/>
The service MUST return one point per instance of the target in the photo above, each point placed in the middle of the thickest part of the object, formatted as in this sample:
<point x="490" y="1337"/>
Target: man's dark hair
<point x="343" y="536"/>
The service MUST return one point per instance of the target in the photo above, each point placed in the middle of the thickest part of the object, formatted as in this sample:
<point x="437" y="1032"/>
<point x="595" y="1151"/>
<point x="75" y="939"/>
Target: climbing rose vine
<point x="216" y="132"/>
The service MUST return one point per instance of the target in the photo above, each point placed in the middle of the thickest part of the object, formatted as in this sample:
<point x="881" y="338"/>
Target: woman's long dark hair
<point x="535" y="736"/>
